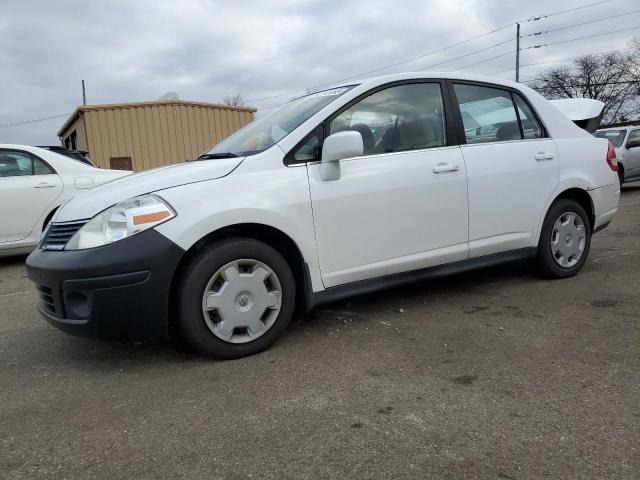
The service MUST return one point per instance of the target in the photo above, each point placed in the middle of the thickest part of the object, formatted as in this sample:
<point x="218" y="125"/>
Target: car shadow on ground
<point x="13" y="261"/>
<point x="107" y="355"/>
<point x="631" y="186"/>
<point x="478" y="282"/>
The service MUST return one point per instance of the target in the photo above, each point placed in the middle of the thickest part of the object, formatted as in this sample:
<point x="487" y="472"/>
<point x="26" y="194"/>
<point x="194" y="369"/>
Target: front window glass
<point x="406" y="117"/>
<point x="488" y="114"/>
<point x="273" y="127"/>
<point x="634" y="135"/>
<point x="616" y="137"/>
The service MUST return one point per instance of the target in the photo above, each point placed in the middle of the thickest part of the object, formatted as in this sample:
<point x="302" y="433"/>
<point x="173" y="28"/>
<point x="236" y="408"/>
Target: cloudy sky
<point x="205" y="49"/>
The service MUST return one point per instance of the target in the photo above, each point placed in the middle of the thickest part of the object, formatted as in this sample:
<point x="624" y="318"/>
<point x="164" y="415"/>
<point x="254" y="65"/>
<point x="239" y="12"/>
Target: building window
<point x="73" y="137"/>
<point x="120" y="163"/>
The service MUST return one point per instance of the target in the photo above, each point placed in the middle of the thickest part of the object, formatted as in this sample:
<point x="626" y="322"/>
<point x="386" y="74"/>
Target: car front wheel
<point x="565" y="240"/>
<point x="235" y="298"/>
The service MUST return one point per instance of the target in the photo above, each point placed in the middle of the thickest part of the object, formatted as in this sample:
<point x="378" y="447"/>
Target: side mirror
<point x="633" y="143"/>
<point x="337" y="147"/>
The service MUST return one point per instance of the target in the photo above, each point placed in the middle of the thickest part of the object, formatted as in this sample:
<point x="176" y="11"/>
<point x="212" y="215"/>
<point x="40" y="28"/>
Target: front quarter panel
<point x="262" y="190"/>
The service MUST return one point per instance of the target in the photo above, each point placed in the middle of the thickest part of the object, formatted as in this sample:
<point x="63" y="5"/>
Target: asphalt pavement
<point x="493" y="374"/>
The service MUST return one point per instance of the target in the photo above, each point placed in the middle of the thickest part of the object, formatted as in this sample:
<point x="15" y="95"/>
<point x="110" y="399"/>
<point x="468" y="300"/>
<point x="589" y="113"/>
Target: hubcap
<point x="242" y="301"/>
<point x="568" y="239"/>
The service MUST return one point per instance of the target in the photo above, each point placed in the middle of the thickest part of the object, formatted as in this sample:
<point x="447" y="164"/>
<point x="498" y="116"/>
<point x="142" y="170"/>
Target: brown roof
<point x="115" y="106"/>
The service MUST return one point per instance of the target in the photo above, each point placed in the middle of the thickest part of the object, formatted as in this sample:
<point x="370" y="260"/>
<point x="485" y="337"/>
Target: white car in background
<point x="626" y="142"/>
<point x="34" y="182"/>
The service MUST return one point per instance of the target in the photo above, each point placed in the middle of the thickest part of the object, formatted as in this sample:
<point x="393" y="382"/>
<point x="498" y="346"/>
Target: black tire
<point x="621" y="174"/>
<point x="544" y="263"/>
<point x="194" y="279"/>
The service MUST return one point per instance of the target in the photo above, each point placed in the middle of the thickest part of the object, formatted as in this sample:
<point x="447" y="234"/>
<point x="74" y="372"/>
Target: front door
<point x="403" y="204"/>
<point x="512" y="168"/>
<point x="28" y="186"/>
<point x="632" y="155"/>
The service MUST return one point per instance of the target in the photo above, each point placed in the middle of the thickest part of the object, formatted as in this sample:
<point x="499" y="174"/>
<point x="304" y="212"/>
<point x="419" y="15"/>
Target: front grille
<point x="58" y="234"/>
<point x="46" y="299"/>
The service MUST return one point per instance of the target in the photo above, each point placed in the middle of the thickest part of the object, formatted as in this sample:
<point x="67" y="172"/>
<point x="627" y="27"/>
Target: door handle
<point x="44" y="185"/>
<point x="445" y="167"/>
<point x="542" y="156"/>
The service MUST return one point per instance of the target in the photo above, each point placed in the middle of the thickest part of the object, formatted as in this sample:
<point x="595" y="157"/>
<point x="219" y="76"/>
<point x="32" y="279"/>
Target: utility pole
<point x="518" y="52"/>
<point x="84" y="95"/>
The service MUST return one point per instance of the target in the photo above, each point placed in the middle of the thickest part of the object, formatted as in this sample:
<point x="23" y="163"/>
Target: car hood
<point x="88" y="204"/>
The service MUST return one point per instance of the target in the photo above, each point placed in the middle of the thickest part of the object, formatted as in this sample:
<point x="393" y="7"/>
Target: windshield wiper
<point x="212" y="156"/>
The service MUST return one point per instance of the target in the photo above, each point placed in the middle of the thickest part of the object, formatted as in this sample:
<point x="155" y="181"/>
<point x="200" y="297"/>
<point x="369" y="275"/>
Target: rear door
<point x="403" y="204"/>
<point x="512" y="166"/>
<point x="28" y="186"/>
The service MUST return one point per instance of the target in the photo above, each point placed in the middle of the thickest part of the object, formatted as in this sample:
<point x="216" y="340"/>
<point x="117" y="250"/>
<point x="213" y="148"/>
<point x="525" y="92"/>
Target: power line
<point x="531" y="19"/>
<point x="535" y="18"/>
<point x="581" y="38"/>
<point x="542" y="16"/>
<point x="601" y="84"/>
<point x="467" y="54"/>
<point x="543" y="32"/>
<point x="556" y="60"/>
<point x="25" y="122"/>
<point x="433" y="52"/>
<point x="511" y="52"/>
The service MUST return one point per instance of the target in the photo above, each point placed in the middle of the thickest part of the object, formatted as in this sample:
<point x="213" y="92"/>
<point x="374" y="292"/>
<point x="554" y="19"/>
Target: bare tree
<point x="613" y="78"/>
<point x="233" y="100"/>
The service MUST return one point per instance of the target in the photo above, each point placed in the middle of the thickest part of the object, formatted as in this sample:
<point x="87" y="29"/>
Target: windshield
<point x="270" y="129"/>
<point x="616" y="137"/>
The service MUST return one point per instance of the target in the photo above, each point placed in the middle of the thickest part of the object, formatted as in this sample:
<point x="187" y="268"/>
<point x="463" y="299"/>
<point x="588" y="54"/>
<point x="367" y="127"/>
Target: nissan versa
<point x="337" y="193"/>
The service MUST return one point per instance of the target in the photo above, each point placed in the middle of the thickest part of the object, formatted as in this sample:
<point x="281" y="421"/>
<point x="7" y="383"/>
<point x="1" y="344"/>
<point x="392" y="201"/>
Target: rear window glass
<point x="616" y="137"/>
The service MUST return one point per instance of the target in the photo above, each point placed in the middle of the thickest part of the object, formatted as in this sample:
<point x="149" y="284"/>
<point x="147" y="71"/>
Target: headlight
<point x="122" y="220"/>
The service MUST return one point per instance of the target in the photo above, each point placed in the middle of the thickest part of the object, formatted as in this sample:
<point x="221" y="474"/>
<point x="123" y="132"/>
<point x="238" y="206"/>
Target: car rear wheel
<point x="565" y="240"/>
<point x="621" y="174"/>
<point x="235" y="298"/>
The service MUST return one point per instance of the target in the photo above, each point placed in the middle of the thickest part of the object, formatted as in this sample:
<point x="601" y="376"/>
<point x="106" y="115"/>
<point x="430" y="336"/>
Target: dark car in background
<point x="79" y="155"/>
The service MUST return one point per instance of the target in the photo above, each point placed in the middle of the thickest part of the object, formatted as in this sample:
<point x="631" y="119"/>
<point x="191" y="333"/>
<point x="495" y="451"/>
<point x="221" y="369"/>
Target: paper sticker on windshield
<point x="612" y="134"/>
<point x="332" y="92"/>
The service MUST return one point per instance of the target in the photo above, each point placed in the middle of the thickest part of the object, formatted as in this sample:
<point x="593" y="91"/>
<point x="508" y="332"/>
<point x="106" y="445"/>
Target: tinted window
<point x="40" y="168"/>
<point x="634" y="135"/>
<point x="616" y="137"/>
<point x="16" y="164"/>
<point x="530" y="126"/>
<point x="488" y="114"/>
<point x="406" y="117"/>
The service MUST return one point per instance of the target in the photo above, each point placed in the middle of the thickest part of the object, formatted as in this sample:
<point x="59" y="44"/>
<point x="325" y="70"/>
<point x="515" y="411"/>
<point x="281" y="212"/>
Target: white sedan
<point x="34" y="182"/>
<point x="337" y="193"/>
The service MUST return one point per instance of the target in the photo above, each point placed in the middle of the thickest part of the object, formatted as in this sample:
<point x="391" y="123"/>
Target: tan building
<point x="139" y="136"/>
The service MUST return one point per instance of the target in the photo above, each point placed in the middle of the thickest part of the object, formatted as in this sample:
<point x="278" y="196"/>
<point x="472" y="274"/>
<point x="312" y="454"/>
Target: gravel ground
<point x="493" y="374"/>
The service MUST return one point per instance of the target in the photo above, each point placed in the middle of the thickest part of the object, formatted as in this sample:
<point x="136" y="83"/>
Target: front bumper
<point x="120" y="290"/>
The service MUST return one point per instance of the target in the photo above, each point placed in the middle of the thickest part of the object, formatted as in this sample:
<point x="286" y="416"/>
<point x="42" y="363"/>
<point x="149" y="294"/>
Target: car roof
<point x="427" y="74"/>
<point x="625" y="127"/>
<point x="17" y="146"/>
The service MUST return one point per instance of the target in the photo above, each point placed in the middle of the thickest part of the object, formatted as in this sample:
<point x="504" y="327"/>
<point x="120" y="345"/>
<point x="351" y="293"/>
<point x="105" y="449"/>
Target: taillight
<point x="612" y="160"/>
